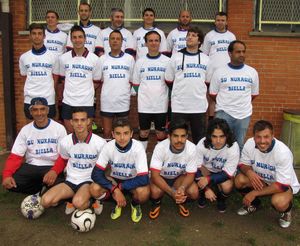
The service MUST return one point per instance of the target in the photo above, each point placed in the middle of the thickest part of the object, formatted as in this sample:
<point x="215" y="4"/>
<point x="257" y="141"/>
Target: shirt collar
<point x="235" y="67"/>
<point x="85" y="53"/>
<point x="87" y="25"/>
<point x="124" y="149"/>
<point x="40" y="51"/>
<point x="54" y="31"/>
<point x="86" y="140"/>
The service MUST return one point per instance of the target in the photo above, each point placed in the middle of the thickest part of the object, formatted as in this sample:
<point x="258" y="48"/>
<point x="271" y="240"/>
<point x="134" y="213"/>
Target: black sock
<point x="156" y="201"/>
<point x="134" y="202"/>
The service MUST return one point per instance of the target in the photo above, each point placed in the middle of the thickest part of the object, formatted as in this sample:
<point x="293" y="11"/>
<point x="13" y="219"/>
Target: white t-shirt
<point x="124" y="165"/>
<point x="189" y="88"/>
<point x="273" y="166"/>
<point x="116" y="74"/>
<point x="218" y="160"/>
<point x="149" y="74"/>
<point x="39" y="145"/>
<point x="176" y="40"/>
<point x="39" y="69"/>
<point x="79" y="73"/>
<point x="55" y="41"/>
<point x="234" y="88"/>
<point x="172" y="165"/>
<point x="139" y="41"/>
<point x="81" y="156"/>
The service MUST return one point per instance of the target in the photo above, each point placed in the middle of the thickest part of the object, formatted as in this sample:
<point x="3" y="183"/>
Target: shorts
<point x="75" y="187"/>
<point x="159" y="120"/>
<point x="113" y="114"/>
<point x="51" y="114"/>
<point x="67" y="110"/>
<point x="170" y="182"/>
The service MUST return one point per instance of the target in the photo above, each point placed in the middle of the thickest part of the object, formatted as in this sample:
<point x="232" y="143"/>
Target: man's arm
<point x="12" y="164"/>
<point x="161" y="183"/>
<point x="255" y="179"/>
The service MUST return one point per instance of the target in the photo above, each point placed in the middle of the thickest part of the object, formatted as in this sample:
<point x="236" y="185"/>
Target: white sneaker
<point x="98" y="207"/>
<point x="69" y="208"/>
<point x="246" y="210"/>
<point x="285" y="219"/>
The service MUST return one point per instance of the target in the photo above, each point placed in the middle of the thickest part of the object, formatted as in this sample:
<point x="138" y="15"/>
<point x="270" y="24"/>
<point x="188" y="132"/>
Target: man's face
<point x="149" y="18"/>
<point x="80" y="122"/>
<point x="122" y="135"/>
<point x="153" y="43"/>
<point x="221" y="23"/>
<point x="237" y="56"/>
<point x="192" y="40"/>
<point x="185" y="18"/>
<point x="51" y="19"/>
<point x="84" y="12"/>
<point x="39" y="114"/>
<point x="115" y="41"/>
<point x="218" y="139"/>
<point x="37" y="37"/>
<point x="178" y="139"/>
<point x="263" y="139"/>
<point x="78" y="39"/>
<point x="117" y="19"/>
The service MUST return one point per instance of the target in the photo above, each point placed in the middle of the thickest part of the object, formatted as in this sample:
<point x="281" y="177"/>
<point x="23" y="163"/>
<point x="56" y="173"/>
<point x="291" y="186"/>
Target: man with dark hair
<point x="267" y="170"/>
<point x="40" y="68"/>
<point x="186" y="75"/>
<point x="126" y="158"/>
<point x="173" y="167"/>
<point x="218" y="155"/>
<point x="233" y="87"/>
<point x="38" y="143"/>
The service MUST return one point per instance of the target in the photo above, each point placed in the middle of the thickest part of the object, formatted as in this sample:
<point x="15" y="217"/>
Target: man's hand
<point x="255" y="180"/>
<point x="119" y="197"/>
<point x="249" y="197"/>
<point x="9" y="183"/>
<point x="202" y="183"/>
<point x="50" y="177"/>
<point x="210" y="195"/>
<point x="180" y="195"/>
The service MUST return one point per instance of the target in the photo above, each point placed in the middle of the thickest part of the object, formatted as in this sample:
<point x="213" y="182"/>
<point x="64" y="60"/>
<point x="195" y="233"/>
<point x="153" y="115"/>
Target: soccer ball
<point x="31" y="207"/>
<point x="83" y="220"/>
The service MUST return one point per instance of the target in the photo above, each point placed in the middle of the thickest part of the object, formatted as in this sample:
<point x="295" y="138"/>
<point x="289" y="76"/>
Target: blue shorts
<point x="113" y="114"/>
<point x="67" y="110"/>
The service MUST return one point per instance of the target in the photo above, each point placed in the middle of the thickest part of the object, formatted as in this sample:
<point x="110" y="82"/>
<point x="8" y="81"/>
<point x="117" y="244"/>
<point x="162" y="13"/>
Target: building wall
<point x="2" y="123"/>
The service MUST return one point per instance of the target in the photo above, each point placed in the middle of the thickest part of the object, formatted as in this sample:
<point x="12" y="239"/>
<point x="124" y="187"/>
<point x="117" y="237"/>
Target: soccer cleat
<point x="221" y="205"/>
<point x="246" y="210"/>
<point x="116" y="213"/>
<point x="69" y="208"/>
<point x="98" y="207"/>
<point x="285" y="219"/>
<point x="136" y="213"/>
<point x="202" y="203"/>
<point x="183" y="211"/>
<point x="154" y="212"/>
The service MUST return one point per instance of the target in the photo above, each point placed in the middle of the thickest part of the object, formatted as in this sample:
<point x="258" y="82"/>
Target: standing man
<point x="173" y="167"/>
<point x="117" y="23"/>
<point x="267" y="170"/>
<point x="91" y="31"/>
<point x="148" y="25"/>
<point x="233" y="87"/>
<point x="78" y="71"/>
<point x="127" y="162"/>
<point x="149" y="82"/>
<point x="40" y="68"/>
<point x="78" y="153"/>
<point x="38" y="143"/>
<point x="115" y="71"/>
<point x="187" y="74"/>
<point x="176" y="39"/>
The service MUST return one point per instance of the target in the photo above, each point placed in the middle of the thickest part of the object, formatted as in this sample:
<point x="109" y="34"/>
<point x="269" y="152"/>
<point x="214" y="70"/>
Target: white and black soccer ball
<point x="83" y="220"/>
<point x="31" y="207"/>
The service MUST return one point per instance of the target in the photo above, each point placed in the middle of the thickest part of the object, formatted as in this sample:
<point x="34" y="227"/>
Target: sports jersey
<point x="275" y="165"/>
<point x="139" y="41"/>
<point x="79" y="73"/>
<point x="103" y="40"/>
<point x="149" y="74"/>
<point x="218" y="160"/>
<point x="39" y="66"/>
<point x="55" y="41"/>
<point x="116" y="74"/>
<point x="187" y="72"/>
<point x="172" y="165"/>
<point x="234" y="87"/>
<point x="176" y="40"/>
<point x="91" y="33"/>
<point x="39" y="145"/>
<point x="124" y="164"/>
<point x="81" y="156"/>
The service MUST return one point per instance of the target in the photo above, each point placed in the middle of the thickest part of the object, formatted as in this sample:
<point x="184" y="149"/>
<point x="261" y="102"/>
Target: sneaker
<point x="116" y="213"/>
<point x="221" y="205"/>
<point x="154" y="212"/>
<point x="69" y="208"/>
<point x="183" y="211"/>
<point x="246" y="210"/>
<point x="285" y="219"/>
<point x="98" y="207"/>
<point x="202" y="203"/>
<point x="136" y="213"/>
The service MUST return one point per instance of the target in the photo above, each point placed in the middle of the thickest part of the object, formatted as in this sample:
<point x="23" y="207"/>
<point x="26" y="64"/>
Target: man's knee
<point x="96" y="190"/>
<point x="142" y="193"/>
<point x="241" y="181"/>
<point x="281" y="201"/>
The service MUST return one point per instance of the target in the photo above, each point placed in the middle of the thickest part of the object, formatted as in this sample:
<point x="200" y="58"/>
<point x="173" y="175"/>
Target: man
<point x="233" y="87"/>
<point x="55" y="40"/>
<point x="40" y="69"/>
<point x="92" y="32"/>
<point x="148" y="25"/>
<point x="149" y="82"/>
<point x="78" y="153"/>
<point x="127" y="162"/>
<point x="219" y="155"/>
<point x="187" y="74"/>
<point x="117" y="23"/>
<point x="173" y="167"/>
<point x="37" y="142"/>
<point x="176" y="39"/>
<point x="267" y="170"/>
<point x="115" y="71"/>
<point x="215" y="45"/>
<point x="78" y="70"/>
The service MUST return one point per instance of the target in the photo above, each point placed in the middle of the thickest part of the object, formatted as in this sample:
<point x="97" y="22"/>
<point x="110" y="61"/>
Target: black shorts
<point x="75" y="187"/>
<point x="112" y="114"/>
<point x="67" y="110"/>
<point x="170" y="182"/>
<point x="51" y="114"/>
<point x="159" y="120"/>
